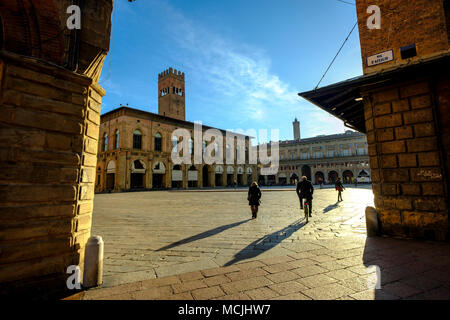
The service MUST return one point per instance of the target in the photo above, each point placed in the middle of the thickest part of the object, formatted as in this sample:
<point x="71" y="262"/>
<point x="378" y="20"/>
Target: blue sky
<point x="244" y="60"/>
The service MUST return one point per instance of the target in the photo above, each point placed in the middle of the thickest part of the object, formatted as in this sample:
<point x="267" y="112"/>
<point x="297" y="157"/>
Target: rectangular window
<point x="158" y="146"/>
<point x="408" y="51"/>
<point x="137" y="141"/>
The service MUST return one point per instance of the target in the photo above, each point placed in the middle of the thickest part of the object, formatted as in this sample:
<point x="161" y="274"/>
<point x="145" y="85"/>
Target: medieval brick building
<point x="402" y="102"/>
<point x="134" y="150"/>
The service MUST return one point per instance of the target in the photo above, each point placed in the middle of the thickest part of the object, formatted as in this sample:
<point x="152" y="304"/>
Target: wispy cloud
<point x="238" y="79"/>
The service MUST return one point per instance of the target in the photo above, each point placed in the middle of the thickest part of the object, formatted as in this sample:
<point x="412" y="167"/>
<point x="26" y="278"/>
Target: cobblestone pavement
<point x="202" y="245"/>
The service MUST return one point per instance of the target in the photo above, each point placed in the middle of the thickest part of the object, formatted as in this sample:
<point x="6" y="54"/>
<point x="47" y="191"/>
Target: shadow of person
<point x="331" y="207"/>
<point x="203" y="235"/>
<point x="406" y="269"/>
<point x="266" y="242"/>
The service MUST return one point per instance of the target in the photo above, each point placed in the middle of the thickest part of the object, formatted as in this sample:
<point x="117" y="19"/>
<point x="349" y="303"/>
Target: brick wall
<point x="406" y="158"/>
<point x="49" y="128"/>
<point x="403" y="22"/>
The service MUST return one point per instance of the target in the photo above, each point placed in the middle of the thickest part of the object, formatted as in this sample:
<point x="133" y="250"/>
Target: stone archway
<point x="347" y="176"/>
<point x="158" y="175"/>
<point x="306" y="171"/>
<point x="282" y="179"/>
<point x="249" y="173"/>
<point x="240" y="176"/>
<point x="363" y="177"/>
<point x="230" y="175"/>
<point x="137" y="175"/>
<point x="294" y="178"/>
<point x="192" y="177"/>
<point x="110" y="175"/>
<point x="261" y="180"/>
<point x="332" y="176"/>
<point x="205" y="176"/>
<point x="218" y="175"/>
<point x="177" y="176"/>
<point x="319" y="177"/>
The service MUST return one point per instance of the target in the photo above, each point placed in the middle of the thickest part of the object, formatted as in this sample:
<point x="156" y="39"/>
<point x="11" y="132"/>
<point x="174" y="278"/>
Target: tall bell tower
<point x="171" y="94"/>
<point x="296" y="127"/>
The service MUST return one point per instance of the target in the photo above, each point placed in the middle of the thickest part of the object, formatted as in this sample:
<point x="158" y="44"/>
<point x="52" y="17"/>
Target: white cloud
<point x="240" y="76"/>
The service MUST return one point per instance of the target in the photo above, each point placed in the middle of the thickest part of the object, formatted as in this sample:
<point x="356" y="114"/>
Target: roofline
<point x="353" y="87"/>
<point x="165" y="118"/>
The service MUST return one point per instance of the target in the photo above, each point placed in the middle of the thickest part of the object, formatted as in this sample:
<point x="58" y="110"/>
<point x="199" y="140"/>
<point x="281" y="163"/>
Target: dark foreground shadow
<point x="203" y="235"/>
<point x="331" y="207"/>
<point x="407" y="269"/>
<point x="267" y="242"/>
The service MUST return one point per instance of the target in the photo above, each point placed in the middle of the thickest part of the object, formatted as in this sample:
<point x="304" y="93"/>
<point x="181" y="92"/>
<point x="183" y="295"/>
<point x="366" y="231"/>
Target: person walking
<point x="254" y="196"/>
<point x="339" y="188"/>
<point x="305" y="190"/>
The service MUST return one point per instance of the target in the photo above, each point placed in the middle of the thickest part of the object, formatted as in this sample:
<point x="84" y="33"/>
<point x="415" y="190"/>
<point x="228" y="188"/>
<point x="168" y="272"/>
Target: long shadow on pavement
<point x="203" y="235"/>
<point x="331" y="207"/>
<point x="267" y="242"/>
<point x="407" y="269"/>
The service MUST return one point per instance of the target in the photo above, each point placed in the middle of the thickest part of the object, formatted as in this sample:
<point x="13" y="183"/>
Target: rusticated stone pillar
<point x="49" y="128"/>
<point x="408" y="148"/>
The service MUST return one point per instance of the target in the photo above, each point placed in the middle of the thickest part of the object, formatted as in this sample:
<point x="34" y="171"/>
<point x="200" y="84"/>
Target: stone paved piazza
<point x="156" y="234"/>
<point x="201" y="245"/>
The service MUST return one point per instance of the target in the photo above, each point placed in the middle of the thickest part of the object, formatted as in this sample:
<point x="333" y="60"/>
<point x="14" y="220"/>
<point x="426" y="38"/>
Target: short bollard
<point x="93" y="262"/>
<point x="371" y="222"/>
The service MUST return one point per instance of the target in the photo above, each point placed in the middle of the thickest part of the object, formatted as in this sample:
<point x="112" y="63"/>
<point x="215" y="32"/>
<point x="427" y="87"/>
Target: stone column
<point x="48" y="152"/>
<point x="406" y="158"/>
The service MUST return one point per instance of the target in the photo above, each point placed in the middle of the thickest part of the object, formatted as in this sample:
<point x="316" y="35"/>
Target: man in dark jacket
<point x="305" y="190"/>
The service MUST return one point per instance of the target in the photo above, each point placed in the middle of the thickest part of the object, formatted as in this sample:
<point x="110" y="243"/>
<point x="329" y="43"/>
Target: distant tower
<point x="296" y="125"/>
<point x="171" y="94"/>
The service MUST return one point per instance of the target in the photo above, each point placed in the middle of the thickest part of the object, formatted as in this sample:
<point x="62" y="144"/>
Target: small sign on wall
<point x="380" y="58"/>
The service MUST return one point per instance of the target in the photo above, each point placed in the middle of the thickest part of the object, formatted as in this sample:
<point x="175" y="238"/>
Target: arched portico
<point x="158" y="175"/>
<point x="332" y="176"/>
<point x="347" y="176"/>
<point x="110" y="175"/>
<point x="137" y="174"/>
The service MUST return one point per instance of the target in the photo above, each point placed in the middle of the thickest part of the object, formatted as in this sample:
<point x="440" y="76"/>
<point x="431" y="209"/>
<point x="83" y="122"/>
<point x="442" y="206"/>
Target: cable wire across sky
<point x="348" y="36"/>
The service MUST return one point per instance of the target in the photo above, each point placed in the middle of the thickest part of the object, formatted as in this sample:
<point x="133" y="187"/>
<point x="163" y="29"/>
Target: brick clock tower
<point x="171" y="94"/>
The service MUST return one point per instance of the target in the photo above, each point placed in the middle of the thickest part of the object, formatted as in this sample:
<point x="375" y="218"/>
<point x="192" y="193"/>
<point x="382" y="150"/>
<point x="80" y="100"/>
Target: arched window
<point x="204" y="147"/>
<point x="105" y="142"/>
<point x="174" y="142"/>
<point x="216" y="148"/>
<point x="116" y="142"/>
<point x="137" y="140"/>
<point x="158" y="142"/>
<point x="191" y="146"/>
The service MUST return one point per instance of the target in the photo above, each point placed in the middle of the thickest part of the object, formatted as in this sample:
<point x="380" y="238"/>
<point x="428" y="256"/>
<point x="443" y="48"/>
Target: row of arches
<point x="211" y="175"/>
<point x="319" y="177"/>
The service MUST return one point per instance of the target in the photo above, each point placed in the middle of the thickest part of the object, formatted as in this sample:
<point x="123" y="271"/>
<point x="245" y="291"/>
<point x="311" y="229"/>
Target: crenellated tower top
<point x="171" y="94"/>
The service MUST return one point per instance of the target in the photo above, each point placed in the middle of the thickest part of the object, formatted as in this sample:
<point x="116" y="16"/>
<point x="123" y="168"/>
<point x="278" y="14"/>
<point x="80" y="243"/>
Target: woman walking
<point x="254" y="196"/>
<point x="339" y="188"/>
